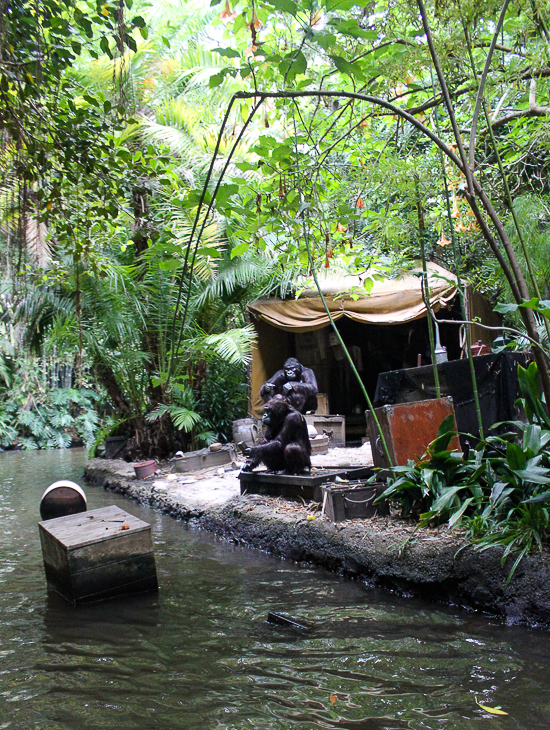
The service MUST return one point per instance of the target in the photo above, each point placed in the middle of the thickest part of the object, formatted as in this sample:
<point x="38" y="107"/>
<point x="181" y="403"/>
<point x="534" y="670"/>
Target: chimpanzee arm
<point x="270" y="453"/>
<point x="308" y="385"/>
<point x="277" y="380"/>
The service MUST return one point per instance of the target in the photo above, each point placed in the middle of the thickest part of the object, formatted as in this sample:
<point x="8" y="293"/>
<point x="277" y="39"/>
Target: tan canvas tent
<point x="390" y="301"/>
<point x="383" y="330"/>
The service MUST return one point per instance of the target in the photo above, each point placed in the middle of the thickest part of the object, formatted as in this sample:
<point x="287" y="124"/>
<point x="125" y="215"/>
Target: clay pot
<point x="145" y="469"/>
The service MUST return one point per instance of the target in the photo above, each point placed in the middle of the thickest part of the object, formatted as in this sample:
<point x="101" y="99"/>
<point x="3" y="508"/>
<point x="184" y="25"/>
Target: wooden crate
<point x="296" y="486"/>
<point x="334" y="425"/>
<point x="204" y="459"/>
<point x="91" y="557"/>
<point x="353" y="501"/>
<point x="408" y="429"/>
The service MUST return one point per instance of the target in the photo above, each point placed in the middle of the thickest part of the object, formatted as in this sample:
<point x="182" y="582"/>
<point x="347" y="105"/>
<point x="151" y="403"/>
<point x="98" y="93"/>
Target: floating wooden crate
<point x="93" y="556"/>
<point x="408" y="429"/>
<point x="335" y="426"/>
<point x="353" y="501"/>
<point x="296" y="486"/>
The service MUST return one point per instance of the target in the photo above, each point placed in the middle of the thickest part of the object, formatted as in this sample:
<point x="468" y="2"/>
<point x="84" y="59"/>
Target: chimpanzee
<point x="296" y="383"/>
<point x="285" y="445"/>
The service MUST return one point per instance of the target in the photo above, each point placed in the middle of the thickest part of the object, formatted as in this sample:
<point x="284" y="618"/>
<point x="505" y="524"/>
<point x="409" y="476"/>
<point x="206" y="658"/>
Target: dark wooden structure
<point x="99" y="554"/>
<point x="296" y="486"/>
<point x="497" y="383"/>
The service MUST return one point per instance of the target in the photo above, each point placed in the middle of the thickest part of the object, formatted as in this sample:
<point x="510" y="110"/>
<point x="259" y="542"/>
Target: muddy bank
<point x="435" y="564"/>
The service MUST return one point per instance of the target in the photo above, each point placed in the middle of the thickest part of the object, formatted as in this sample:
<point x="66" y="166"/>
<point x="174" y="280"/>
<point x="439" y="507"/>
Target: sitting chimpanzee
<point x="285" y="445"/>
<point x="296" y="383"/>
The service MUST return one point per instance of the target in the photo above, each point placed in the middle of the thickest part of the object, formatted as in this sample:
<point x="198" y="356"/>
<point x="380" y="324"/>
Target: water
<point x="200" y="654"/>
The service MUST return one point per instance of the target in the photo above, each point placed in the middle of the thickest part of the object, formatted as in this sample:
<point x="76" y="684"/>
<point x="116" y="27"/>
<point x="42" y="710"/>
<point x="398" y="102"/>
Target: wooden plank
<point x="95" y="554"/>
<point x="91" y="527"/>
<point x="293" y="486"/>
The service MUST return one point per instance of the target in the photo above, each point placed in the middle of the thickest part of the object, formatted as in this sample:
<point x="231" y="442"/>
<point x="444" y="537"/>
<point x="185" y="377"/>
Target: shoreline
<point x="436" y="564"/>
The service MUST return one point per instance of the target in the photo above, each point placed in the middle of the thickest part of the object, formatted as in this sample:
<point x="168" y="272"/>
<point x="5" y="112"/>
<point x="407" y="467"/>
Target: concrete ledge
<point x="436" y="565"/>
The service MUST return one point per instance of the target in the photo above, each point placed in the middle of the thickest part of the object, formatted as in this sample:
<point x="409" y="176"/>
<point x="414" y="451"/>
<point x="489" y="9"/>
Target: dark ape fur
<point x="303" y="390"/>
<point x="285" y="445"/>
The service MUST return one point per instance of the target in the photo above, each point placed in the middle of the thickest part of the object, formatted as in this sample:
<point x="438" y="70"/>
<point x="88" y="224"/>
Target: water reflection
<point x="200" y="654"/>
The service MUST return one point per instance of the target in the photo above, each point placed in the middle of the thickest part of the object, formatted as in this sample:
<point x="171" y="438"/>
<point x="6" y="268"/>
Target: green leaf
<point x="515" y="457"/>
<point x="447" y="425"/>
<point x="169" y="265"/>
<point x="292" y="65"/>
<point x="352" y="28"/>
<point x="130" y="42"/>
<point x="239" y="249"/>
<point x="544" y="497"/>
<point x="455" y="517"/>
<point x="286" y="6"/>
<point x="346" y="67"/>
<point x="325" y="40"/>
<point x="217" y="79"/>
<point x="535" y="474"/>
<point x="506" y="308"/>
<point x="104" y="45"/>
<point x="227" y="52"/>
<point x="447" y="496"/>
<point x="209" y="251"/>
<point x="542" y="306"/>
<point x="225" y="192"/>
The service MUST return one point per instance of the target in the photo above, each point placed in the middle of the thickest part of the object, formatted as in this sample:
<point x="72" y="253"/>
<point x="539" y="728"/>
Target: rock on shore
<point x="434" y="564"/>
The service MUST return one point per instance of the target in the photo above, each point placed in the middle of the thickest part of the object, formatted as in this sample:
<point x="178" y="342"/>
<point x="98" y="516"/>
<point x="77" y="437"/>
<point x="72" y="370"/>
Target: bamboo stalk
<point x="425" y="287"/>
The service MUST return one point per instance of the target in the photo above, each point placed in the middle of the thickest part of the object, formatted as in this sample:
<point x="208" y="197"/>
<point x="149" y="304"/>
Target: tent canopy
<point x="390" y="301"/>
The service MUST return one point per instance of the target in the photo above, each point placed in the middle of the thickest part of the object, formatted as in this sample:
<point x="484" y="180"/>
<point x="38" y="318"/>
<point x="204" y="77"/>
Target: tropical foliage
<point x="165" y="163"/>
<point x="499" y="491"/>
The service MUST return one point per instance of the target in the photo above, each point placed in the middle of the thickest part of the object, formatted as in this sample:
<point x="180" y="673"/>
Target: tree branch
<point x="481" y="87"/>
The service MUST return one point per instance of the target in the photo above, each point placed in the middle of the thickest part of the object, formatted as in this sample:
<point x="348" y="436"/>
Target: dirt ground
<point x="215" y="486"/>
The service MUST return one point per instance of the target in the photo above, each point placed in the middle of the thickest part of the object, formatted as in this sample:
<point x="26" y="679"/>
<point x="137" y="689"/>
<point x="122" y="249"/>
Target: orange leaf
<point x="359" y="203"/>
<point x="333" y="699"/>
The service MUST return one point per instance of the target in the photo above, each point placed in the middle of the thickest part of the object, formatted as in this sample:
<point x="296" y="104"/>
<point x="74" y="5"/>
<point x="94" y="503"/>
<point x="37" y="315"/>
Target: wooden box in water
<point x="97" y="555"/>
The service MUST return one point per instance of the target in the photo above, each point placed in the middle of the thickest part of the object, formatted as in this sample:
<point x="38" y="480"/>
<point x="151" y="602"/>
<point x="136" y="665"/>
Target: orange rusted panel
<point x="408" y="429"/>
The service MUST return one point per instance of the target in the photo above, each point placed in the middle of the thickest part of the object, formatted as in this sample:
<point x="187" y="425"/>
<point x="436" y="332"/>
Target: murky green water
<point x="200" y="654"/>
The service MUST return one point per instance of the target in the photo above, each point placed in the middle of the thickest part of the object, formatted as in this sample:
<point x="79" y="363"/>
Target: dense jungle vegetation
<point x="165" y="163"/>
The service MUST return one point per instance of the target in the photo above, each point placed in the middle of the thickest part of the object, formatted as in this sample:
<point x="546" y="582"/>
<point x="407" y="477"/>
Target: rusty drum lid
<point x="62" y="498"/>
